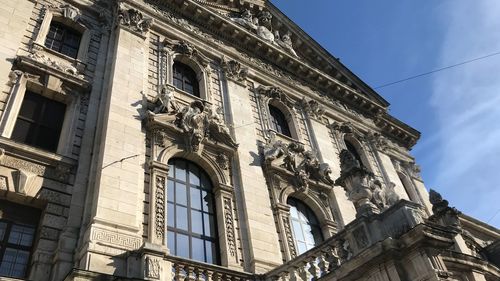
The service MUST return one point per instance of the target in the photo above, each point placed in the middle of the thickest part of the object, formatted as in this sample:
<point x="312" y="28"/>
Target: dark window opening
<point x="279" y="122"/>
<point x="191" y="217"/>
<point x="305" y="226"/>
<point x="185" y="79"/>
<point x="353" y="151"/>
<point x="17" y="235"/>
<point x="63" y="39"/>
<point x="39" y="122"/>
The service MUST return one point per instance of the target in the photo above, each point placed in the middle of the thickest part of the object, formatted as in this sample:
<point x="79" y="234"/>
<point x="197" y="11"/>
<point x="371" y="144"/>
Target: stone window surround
<point x="58" y="14"/>
<point x="23" y="82"/>
<point x="203" y="72"/>
<point x="224" y="205"/>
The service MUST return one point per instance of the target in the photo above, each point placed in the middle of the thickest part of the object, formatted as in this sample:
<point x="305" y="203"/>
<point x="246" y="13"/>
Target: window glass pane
<point x="14" y="263"/>
<point x="170" y="215"/>
<point x="194" y="178"/>
<point x="24" y="131"/>
<point x="196" y="222"/>
<point x="47" y="139"/>
<point x="297" y="230"/>
<point x="210" y="251"/>
<point x="195" y="195"/>
<point x="207" y="201"/>
<point x="171" y="242"/>
<point x="182" y="246"/>
<point x="198" y="251"/>
<point x="180" y="171"/>
<point x="181" y="218"/>
<point x="209" y="225"/>
<point x="180" y="194"/>
<point x="3" y="228"/>
<point x="301" y="247"/>
<point x="170" y="191"/>
<point x="21" y="235"/>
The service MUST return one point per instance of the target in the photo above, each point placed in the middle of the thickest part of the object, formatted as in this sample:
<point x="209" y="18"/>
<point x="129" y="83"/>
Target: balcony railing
<point x="191" y="270"/>
<point x="349" y="243"/>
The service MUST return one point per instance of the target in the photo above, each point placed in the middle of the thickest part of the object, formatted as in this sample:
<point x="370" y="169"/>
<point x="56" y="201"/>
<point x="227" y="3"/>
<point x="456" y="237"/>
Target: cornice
<point x="279" y="63"/>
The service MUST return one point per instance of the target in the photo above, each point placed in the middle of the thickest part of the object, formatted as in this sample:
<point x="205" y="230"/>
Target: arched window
<point x="305" y="226"/>
<point x="279" y="122"/>
<point x="185" y="79"/>
<point x="352" y="149"/>
<point x="191" y="220"/>
<point x="63" y="39"/>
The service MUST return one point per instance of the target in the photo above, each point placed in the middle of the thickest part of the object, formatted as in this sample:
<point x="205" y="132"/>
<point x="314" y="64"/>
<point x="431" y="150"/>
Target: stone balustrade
<point x="349" y="243"/>
<point x="189" y="270"/>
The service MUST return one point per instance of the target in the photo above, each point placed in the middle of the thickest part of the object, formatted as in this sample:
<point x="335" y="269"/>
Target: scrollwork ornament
<point x="234" y="70"/>
<point x="229" y="221"/>
<point x="289" y="237"/>
<point x="222" y="160"/>
<point x="160" y="207"/>
<point x="152" y="268"/>
<point x="135" y="20"/>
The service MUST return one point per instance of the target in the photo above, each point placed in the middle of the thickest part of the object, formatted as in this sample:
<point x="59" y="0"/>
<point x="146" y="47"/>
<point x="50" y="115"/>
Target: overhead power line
<point x="437" y="70"/>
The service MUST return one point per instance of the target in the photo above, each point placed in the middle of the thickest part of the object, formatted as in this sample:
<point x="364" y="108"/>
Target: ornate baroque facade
<point x="207" y="140"/>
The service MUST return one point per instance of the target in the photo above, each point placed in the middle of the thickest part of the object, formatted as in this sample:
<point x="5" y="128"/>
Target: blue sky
<point x="457" y="110"/>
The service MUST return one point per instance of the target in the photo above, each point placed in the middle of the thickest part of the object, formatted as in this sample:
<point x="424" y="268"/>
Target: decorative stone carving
<point x="67" y="68"/>
<point x="229" y="223"/>
<point x="264" y="27"/>
<point x="222" y="160"/>
<point x="70" y="12"/>
<point x="247" y="20"/>
<point x="361" y="237"/>
<point x="199" y="123"/>
<point x="285" y="42"/>
<point x="115" y="239"/>
<point x="234" y="70"/>
<point x="187" y="49"/>
<point x="275" y="93"/>
<point x="4" y="183"/>
<point x="152" y="268"/>
<point x="313" y="108"/>
<point x="293" y="157"/>
<point x="165" y="101"/>
<point x="443" y="213"/>
<point x="368" y="194"/>
<point x="135" y="20"/>
<point x="160" y="207"/>
<point x="289" y="237"/>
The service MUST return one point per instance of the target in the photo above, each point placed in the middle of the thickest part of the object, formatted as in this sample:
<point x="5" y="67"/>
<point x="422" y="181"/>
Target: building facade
<point x="207" y="140"/>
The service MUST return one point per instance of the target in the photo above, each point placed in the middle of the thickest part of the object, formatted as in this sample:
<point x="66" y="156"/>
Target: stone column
<point x="344" y="208"/>
<point x="259" y="223"/>
<point x="115" y="227"/>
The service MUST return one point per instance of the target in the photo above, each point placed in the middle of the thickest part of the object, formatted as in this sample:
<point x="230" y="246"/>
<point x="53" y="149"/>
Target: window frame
<point x="58" y="15"/>
<point x="189" y="232"/>
<point x="188" y="71"/>
<point x="316" y="224"/>
<point x="24" y="82"/>
<point x="65" y="32"/>
<point x="22" y="216"/>
<point x="278" y="121"/>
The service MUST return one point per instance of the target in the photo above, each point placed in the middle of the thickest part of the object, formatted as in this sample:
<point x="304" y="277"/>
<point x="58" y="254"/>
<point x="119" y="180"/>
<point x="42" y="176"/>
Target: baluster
<point x="284" y="276"/>
<point x="208" y="275"/>
<point x="313" y="268"/>
<point x="333" y="258"/>
<point x="304" y="272"/>
<point x="199" y="274"/>
<point x="323" y="264"/>
<point x="293" y="273"/>
<point x="216" y="276"/>
<point x="179" y="272"/>
<point x="190" y="273"/>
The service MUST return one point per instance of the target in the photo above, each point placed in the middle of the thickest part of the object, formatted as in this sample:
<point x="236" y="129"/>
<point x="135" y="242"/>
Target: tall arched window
<point x="185" y="79"/>
<point x="279" y="122"/>
<point x="191" y="220"/>
<point x="305" y="226"/>
<point x="352" y="149"/>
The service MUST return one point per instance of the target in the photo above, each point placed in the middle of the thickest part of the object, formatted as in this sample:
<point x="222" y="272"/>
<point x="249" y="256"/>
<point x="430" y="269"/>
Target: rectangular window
<point x="63" y="39"/>
<point x="17" y="235"/>
<point x="39" y="122"/>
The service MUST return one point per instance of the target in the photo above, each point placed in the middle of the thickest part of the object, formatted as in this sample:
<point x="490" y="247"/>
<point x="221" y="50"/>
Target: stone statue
<point x="443" y="213"/>
<point x="246" y="20"/>
<point x="285" y="42"/>
<point x="165" y="101"/>
<point x="264" y="27"/>
<point x="217" y="129"/>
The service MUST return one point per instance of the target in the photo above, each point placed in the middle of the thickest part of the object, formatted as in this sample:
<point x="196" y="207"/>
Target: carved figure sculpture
<point x="264" y="27"/>
<point x="134" y="19"/>
<point x="165" y="101"/>
<point x="199" y="122"/>
<point x="246" y="20"/>
<point x="285" y="42"/>
<point x="234" y="70"/>
<point x="304" y="165"/>
<point x="443" y="213"/>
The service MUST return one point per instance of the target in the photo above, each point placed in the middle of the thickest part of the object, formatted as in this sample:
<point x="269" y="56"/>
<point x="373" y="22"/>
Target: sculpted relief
<point x="262" y="26"/>
<point x="293" y="157"/>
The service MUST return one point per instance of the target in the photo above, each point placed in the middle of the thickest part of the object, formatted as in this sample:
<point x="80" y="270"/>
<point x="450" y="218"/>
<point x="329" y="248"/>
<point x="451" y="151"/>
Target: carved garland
<point x="160" y="206"/>
<point x="289" y="237"/>
<point x="228" y="217"/>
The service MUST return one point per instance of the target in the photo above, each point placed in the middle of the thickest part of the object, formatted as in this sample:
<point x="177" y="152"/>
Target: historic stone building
<point x="207" y="140"/>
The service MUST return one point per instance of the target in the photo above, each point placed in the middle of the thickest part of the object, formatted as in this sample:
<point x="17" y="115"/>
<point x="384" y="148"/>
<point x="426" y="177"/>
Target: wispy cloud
<point x="467" y="102"/>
